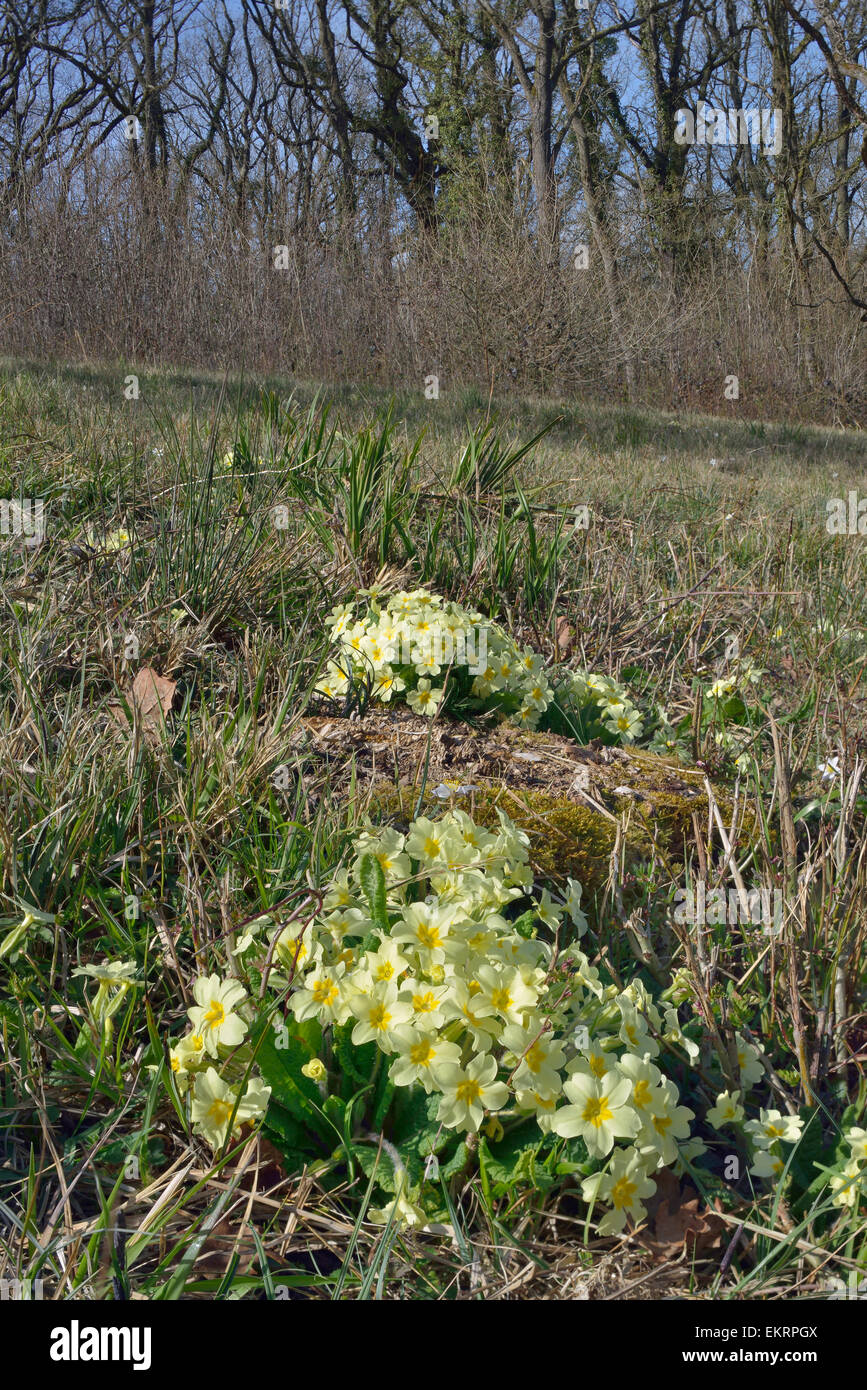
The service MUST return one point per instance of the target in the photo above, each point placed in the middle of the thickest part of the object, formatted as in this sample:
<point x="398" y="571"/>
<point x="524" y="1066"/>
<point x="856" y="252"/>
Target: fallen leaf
<point x="150" y="697"/>
<point x="675" y="1219"/>
<point x="564" y="636"/>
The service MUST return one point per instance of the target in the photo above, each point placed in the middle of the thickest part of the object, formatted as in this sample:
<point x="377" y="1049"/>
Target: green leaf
<point x="513" y="1160"/>
<point x="809" y="1151"/>
<point x="281" y="1070"/>
<point x="457" y="1162"/>
<point x="373" y="886"/>
<point x="734" y="710"/>
<point x="385" y="1089"/>
<point x="525" y="925"/>
<point x="291" y="1137"/>
<point x="355" y="1062"/>
<point x="409" y="1117"/>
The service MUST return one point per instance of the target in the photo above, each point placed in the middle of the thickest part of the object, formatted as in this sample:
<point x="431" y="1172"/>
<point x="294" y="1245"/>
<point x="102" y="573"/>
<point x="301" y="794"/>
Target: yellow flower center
<point x="534" y="1057"/>
<point x="432" y="847"/>
<point x="429" y="937"/>
<point x="596" y="1111"/>
<point x="219" y="1112"/>
<point x="424" y="1003"/>
<point x="421" y="1054"/>
<point x="661" y="1123"/>
<point x="501" y="999"/>
<point x="596" y="1064"/>
<point x="641" y="1094"/>
<point x="197" y="1041"/>
<point x="468" y="1091"/>
<point x="215" y="1014"/>
<point x="380" y="1017"/>
<point x="622" y="1192"/>
<point x="384" y="970"/>
<point x="773" y="1130"/>
<point x="324" y="991"/>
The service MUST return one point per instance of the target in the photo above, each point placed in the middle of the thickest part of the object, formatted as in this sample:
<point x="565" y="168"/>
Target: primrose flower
<point x="213" y="1015"/>
<point x="664" y="1124"/>
<point x="340" y="618"/>
<point x="772" y="1126"/>
<point x="424" y="700"/>
<point x="186" y="1057"/>
<point x="426" y="929"/>
<point x="116" y="540"/>
<point x="426" y="1000"/>
<point x="401" y="1212"/>
<point x="214" y="1102"/>
<point x="430" y="842"/>
<point x="333" y="684"/>
<point x="573" y="906"/>
<point x="386" y="963"/>
<point x="767" y="1164"/>
<point x="633" y="1031"/>
<point x="547" y="912"/>
<point x="111" y="972"/>
<point x="323" y="995"/>
<point x="727" y="1111"/>
<point x="315" y="1069"/>
<point x="541" y="1056"/>
<point x="507" y="992"/>
<point x="475" y="1013"/>
<point x="625" y="721"/>
<point x="469" y="1091"/>
<point x="857" y="1141"/>
<point x="387" y="847"/>
<point x="388" y="684"/>
<point x="339" y="892"/>
<point x="379" y="1013"/>
<point x="294" y="948"/>
<point x="646" y="1079"/>
<point x="599" y="1112"/>
<point x="750" y="1067"/>
<point x="421" y="1057"/>
<point x="849" y="1186"/>
<point x="346" y="921"/>
<point x="623" y="1186"/>
<point x="673" y="1033"/>
<point x="541" y="1104"/>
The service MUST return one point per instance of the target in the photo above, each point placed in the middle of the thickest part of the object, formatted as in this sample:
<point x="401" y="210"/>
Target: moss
<point x="571" y="839"/>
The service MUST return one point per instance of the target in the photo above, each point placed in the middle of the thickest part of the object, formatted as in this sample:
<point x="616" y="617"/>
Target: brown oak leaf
<point x="150" y="698"/>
